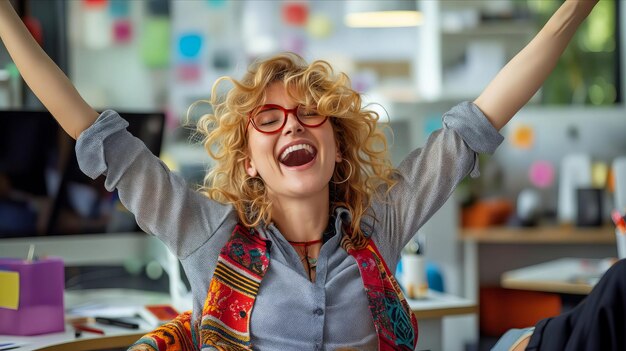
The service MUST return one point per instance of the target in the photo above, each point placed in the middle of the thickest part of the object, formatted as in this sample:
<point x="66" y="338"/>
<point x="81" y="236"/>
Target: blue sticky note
<point x="432" y="123"/>
<point x="216" y="3"/>
<point x="189" y="45"/>
<point x="119" y="8"/>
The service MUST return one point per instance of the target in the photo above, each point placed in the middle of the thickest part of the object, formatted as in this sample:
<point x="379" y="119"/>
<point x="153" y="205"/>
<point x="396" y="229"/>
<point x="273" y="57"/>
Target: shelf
<point x="540" y="235"/>
<point x="509" y="28"/>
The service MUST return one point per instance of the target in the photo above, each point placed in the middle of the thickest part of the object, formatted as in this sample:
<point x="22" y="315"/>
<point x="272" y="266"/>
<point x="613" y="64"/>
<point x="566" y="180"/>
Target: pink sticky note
<point x="122" y="31"/>
<point x="541" y="174"/>
<point x="294" y="43"/>
<point x="188" y="72"/>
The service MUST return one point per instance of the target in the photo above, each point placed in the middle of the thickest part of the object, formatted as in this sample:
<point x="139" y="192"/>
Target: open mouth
<point x="297" y="155"/>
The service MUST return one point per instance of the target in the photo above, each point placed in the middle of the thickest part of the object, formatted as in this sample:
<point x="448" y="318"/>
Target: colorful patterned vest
<point x="240" y="268"/>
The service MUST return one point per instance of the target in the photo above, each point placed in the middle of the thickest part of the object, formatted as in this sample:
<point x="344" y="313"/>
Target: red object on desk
<point x="88" y="329"/>
<point x="158" y="314"/>
<point x="486" y="213"/>
<point x="619" y="221"/>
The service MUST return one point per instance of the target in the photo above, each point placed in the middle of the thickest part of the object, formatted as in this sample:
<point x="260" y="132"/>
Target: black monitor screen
<point x="42" y="190"/>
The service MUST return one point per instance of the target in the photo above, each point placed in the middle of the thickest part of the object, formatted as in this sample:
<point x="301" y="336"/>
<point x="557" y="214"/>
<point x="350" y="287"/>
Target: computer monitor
<point x="47" y="201"/>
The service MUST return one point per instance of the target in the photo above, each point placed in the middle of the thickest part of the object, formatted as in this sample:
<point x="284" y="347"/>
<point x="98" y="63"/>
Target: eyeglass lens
<point x="272" y="118"/>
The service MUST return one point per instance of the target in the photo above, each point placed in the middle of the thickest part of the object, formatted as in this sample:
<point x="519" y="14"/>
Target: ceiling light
<point x="381" y="14"/>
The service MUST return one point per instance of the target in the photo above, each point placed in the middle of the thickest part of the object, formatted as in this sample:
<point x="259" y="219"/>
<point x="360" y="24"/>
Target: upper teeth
<point x="293" y="148"/>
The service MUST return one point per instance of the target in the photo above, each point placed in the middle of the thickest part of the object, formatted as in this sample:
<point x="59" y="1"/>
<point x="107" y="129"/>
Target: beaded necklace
<point x="310" y="262"/>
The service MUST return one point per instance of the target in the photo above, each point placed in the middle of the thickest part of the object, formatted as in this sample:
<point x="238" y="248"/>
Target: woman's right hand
<point x="43" y="76"/>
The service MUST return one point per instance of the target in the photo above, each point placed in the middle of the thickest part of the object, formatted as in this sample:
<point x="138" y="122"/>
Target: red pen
<point x="619" y="221"/>
<point x="88" y="329"/>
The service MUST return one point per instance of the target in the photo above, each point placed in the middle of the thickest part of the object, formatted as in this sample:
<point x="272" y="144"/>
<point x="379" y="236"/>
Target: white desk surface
<point x="122" y="302"/>
<point x="565" y="275"/>
<point x="438" y="305"/>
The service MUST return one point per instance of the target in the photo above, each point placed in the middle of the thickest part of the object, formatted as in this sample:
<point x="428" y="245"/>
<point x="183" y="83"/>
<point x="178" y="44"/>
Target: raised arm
<point x="43" y="76"/>
<point x="520" y="79"/>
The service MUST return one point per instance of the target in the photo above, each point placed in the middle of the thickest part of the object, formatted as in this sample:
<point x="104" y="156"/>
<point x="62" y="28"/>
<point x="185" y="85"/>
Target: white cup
<point x="414" y="276"/>
<point x="621" y="244"/>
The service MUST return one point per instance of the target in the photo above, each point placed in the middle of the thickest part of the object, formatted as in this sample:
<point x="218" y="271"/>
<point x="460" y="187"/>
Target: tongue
<point x="298" y="158"/>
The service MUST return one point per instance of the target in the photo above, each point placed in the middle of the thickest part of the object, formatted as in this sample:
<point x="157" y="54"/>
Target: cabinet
<point x="490" y="252"/>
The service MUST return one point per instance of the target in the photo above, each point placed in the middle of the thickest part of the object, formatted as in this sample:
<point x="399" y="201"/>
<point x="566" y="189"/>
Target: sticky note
<point x="599" y="174"/>
<point x="433" y="122"/>
<point x="155" y="43"/>
<point x="541" y="174"/>
<point x="295" y="13"/>
<point x="216" y="3"/>
<point x="122" y="31"/>
<point x="189" y="45"/>
<point x="10" y="292"/>
<point x="319" y="26"/>
<point x="189" y="72"/>
<point x="95" y="3"/>
<point x="293" y="42"/>
<point x="97" y="32"/>
<point x="119" y="8"/>
<point x="523" y="137"/>
<point x="610" y="181"/>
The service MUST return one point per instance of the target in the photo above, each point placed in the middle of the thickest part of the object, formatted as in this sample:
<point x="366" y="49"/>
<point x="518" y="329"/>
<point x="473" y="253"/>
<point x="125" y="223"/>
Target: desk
<point x="104" y="302"/>
<point x="429" y="312"/>
<point x="67" y="342"/>
<point x="503" y="249"/>
<point x="564" y="276"/>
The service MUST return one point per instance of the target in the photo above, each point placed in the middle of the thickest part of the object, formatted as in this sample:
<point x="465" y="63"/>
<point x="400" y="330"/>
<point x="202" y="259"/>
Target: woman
<point x="289" y="243"/>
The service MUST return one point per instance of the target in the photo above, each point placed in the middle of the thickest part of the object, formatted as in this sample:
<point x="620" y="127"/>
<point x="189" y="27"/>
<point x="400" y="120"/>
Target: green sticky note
<point x="10" y="292"/>
<point x="155" y="42"/>
<point x="12" y="69"/>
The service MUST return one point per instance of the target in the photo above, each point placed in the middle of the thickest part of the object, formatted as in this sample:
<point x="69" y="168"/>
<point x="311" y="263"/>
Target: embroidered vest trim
<point x="394" y="321"/>
<point x="241" y="265"/>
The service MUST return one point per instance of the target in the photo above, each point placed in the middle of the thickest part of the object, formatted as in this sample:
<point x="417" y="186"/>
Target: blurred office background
<point x="160" y="55"/>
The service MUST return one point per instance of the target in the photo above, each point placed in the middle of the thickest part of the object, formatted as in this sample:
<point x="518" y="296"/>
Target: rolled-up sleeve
<point x="428" y="175"/>
<point x="161" y="200"/>
<point x="90" y="144"/>
<point x="469" y="122"/>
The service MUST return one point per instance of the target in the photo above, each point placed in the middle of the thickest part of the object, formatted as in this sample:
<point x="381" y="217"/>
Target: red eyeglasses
<point x="270" y="119"/>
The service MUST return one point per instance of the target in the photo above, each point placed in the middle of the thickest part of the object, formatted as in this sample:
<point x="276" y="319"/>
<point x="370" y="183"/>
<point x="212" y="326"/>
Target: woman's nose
<point x="293" y="125"/>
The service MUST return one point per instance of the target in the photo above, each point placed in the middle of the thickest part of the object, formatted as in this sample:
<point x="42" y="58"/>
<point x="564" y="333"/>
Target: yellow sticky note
<point x="10" y="292"/>
<point x="599" y="174"/>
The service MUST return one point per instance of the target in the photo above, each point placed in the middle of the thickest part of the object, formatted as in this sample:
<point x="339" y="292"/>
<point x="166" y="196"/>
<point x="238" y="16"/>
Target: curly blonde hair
<point x="360" y="140"/>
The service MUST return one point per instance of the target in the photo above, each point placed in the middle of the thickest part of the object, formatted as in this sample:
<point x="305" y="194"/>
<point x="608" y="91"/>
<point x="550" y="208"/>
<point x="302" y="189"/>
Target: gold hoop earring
<point x="349" y="174"/>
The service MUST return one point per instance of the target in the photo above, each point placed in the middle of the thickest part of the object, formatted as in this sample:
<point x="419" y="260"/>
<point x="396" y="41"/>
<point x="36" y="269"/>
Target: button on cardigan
<point x="291" y="312"/>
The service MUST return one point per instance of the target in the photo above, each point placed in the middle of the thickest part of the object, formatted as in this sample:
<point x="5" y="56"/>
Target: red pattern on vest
<point x="394" y="321"/>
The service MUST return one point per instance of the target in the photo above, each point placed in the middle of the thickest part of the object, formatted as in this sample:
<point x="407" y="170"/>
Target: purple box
<point x="40" y="309"/>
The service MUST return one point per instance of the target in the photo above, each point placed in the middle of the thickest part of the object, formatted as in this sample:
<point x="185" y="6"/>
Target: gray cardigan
<point x="291" y="312"/>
